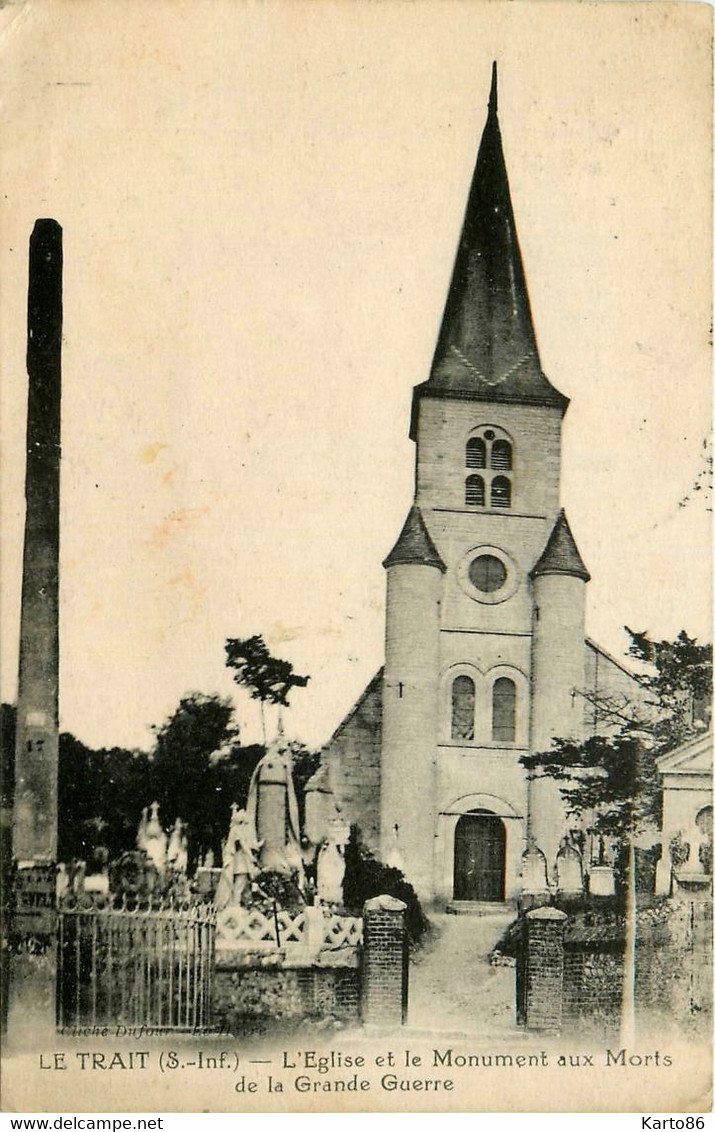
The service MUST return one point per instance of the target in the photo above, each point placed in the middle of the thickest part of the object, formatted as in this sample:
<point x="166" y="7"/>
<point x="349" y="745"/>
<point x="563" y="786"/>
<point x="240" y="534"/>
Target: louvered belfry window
<point x="476" y="455"/>
<point x="503" y="710"/>
<point x="501" y="492"/>
<point x="501" y="455"/>
<point x="474" y="491"/>
<point x="495" y="455"/>
<point x="463" y="708"/>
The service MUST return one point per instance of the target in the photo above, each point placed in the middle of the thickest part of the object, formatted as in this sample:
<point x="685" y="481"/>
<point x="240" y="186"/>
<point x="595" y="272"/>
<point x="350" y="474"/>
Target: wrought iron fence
<point x="129" y="964"/>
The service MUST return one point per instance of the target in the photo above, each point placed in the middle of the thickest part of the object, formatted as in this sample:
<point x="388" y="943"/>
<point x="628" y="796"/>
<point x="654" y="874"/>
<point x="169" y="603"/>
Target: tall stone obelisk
<point x="32" y="991"/>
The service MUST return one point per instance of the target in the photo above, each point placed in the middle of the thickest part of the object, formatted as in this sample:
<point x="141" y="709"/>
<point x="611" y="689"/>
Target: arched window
<point x="463" y="708"/>
<point x="490" y="449"/>
<point x="476" y="455"/>
<point x="501" y="455"/>
<point x="504" y="711"/>
<point x="474" y="491"/>
<point x="501" y="492"/>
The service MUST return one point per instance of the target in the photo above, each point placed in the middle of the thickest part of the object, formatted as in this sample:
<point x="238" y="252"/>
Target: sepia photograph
<point x="356" y="579"/>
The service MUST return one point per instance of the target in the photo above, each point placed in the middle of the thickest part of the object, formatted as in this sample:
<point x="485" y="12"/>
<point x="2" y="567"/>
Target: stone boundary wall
<point x="346" y="984"/>
<point x="570" y="970"/>
<point x="593" y="984"/>
<point x="262" y="992"/>
<point x="674" y="973"/>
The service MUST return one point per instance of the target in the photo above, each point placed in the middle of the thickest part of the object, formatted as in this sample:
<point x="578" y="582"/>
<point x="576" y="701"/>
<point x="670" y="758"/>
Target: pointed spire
<point x="493" y="99"/>
<point x="487" y="349"/>
<point x="414" y="546"/>
<point x="561" y="555"/>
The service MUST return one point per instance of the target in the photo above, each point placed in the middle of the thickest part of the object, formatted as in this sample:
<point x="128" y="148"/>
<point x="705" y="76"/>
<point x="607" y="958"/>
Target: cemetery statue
<point x="331" y="863"/>
<point x="272" y="810"/>
<point x="79" y="872"/>
<point x="62" y="882"/>
<point x="690" y="858"/>
<point x="533" y="870"/>
<point x="239" y="863"/>
<point x="209" y="859"/>
<point x="134" y="875"/>
<point x="569" y="867"/>
<point x="394" y="857"/>
<point x="308" y="854"/>
<point x="155" y="840"/>
<point x="294" y="860"/>
<point x="141" y="830"/>
<point x="178" y="852"/>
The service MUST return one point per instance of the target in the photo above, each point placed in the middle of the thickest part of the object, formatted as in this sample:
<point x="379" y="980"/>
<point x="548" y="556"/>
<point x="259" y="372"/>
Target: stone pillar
<point x="31" y="1000"/>
<point x="410" y="712"/>
<point x="544" y="969"/>
<point x="35" y="802"/>
<point x="314" y="929"/>
<point x="557" y="707"/>
<point x="385" y="964"/>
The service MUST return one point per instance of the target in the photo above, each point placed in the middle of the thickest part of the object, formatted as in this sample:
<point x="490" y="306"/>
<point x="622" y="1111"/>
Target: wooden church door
<point x="479" y="857"/>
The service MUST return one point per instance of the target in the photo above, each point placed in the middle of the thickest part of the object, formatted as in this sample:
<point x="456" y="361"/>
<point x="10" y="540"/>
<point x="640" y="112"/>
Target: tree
<point x="267" y="678"/>
<point x="200" y="727"/>
<point x="194" y="738"/>
<point x="196" y="770"/>
<point x="98" y="792"/>
<point x="613" y="777"/>
<point x="612" y="780"/>
<point x="677" y="685"/>
<point x="199" y="769"/>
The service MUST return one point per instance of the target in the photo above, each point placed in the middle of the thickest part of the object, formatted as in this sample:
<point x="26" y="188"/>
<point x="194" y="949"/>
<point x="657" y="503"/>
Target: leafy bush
<point x="366" y="877"/>
<point x="272" y="888"/>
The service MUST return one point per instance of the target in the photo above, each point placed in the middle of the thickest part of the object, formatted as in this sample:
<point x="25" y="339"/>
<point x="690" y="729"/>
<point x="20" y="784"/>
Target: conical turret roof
<point x="487" y="348"/>
<point x="414" y="545"/>
<point x="561" y="555"/>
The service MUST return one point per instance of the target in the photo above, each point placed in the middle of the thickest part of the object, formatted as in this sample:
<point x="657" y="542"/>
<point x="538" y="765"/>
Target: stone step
<point x="480" y="908"/>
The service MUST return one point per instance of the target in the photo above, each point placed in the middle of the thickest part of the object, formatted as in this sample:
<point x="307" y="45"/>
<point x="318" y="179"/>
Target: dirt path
<point x="452" y="986"/>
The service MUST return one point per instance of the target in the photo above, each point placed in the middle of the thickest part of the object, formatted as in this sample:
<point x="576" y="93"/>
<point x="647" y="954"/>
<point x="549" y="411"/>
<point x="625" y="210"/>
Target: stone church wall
<point x="606" y="678"/>
<point x="353" y="759"/>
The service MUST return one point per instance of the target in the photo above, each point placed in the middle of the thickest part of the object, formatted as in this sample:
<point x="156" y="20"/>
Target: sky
<point x="261" y="204"/>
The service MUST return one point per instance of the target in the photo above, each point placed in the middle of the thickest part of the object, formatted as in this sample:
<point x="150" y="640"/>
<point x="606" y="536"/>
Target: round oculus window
<point x="487" y="573"/>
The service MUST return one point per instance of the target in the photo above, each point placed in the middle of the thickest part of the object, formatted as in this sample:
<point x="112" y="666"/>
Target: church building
<point x="486" y="656"/>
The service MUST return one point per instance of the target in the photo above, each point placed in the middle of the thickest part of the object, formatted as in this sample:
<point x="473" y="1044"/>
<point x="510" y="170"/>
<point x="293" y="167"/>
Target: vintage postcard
<point x="356" y="624"/>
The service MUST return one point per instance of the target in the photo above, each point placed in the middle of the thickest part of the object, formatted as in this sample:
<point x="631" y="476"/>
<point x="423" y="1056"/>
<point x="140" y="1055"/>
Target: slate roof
<point x="561" y="555"/>
<point x="414" y="545"/>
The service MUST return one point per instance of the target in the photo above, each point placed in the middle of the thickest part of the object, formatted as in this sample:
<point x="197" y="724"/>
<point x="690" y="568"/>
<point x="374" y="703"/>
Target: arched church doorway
<point x="479" y="857"/>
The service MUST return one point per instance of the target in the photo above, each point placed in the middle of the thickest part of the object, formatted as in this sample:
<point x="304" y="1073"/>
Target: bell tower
<point x="458" y="686"/>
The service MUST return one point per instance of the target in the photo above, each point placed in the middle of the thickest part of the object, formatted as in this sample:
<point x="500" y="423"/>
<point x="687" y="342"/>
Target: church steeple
<point x="487" y="348"/>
